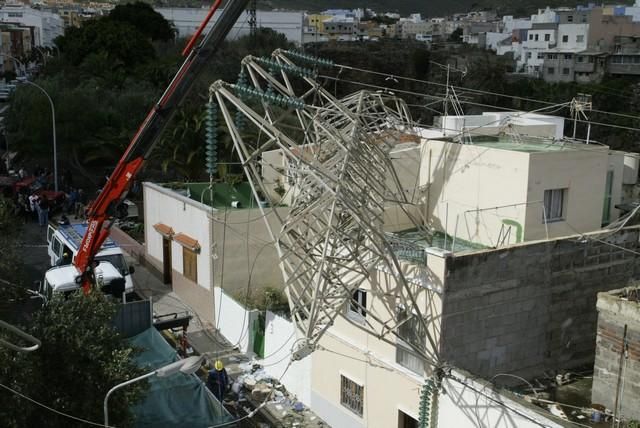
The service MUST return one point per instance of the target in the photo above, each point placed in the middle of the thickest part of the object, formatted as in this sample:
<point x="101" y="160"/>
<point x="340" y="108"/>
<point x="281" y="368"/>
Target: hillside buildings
<point x="557" y="45"/>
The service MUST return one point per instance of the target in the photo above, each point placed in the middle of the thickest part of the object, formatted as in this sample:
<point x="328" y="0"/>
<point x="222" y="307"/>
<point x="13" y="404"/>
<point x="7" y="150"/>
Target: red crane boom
<point x="101" y="211"/>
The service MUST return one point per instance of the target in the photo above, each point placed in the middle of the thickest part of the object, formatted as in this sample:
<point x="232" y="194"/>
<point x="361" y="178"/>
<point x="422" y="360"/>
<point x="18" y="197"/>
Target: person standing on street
<point x="43" y="212"/>
<point x="33" y="206"/>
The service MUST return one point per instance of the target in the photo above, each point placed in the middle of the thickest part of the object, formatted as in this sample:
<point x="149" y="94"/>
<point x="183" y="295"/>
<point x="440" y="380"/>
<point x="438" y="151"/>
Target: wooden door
<point x="166" y="260"/>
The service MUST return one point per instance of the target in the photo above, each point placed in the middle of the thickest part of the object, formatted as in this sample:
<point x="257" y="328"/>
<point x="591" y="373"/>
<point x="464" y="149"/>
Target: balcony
<point x="584" y="67"/>
<point x="631" y="69"/>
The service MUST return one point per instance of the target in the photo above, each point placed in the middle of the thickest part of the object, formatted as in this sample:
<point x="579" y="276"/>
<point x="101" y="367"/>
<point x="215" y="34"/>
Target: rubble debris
<point x="261" y="392"/>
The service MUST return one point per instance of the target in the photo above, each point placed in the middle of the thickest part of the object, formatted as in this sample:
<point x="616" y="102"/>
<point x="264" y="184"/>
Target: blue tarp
<point x="175" y="401"/>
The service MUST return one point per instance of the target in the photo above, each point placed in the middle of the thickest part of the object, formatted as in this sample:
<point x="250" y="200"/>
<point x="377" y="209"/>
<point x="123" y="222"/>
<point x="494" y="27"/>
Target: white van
<point x="67" y="239"/>
<point x="66" y="279"/>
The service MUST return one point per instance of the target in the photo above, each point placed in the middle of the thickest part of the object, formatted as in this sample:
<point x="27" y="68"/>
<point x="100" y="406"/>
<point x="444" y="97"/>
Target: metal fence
<point x="133" y="318"/>
<point x="407" y="250"/>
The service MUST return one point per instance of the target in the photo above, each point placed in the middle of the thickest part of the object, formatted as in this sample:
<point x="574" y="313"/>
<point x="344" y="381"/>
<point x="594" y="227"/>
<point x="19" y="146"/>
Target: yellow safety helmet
<point x="218" y="365"/>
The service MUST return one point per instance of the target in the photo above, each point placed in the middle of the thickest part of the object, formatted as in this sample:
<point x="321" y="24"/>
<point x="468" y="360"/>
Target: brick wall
<point x="532" y="307"/>
<point x="613" y="315"/>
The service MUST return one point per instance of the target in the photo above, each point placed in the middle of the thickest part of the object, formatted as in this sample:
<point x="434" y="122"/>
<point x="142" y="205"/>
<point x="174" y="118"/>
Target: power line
<point x="476" y="91"/>
<point x="52" y="409"/>
<point x="393" y="90"/>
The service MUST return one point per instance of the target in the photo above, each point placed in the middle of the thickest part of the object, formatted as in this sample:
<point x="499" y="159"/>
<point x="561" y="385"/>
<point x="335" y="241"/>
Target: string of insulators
<point x="310" y="59"/>
<point x="270" y="98"/>
<point x="270" y="90"/>
<point x="425" y="412"/>
<point x="242" y="77"/>
<point x="239" y="120"/>
<point x="211" y="126"/>
<point x="287" y="68"/>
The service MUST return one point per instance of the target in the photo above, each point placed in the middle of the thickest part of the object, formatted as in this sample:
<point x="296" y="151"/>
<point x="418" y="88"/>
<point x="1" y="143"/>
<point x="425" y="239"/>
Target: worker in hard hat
<point x="65" y="259"/>
<point x="218" y="380"/>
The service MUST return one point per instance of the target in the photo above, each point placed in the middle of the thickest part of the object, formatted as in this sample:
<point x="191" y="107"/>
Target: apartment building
<point x="46" y="26"/>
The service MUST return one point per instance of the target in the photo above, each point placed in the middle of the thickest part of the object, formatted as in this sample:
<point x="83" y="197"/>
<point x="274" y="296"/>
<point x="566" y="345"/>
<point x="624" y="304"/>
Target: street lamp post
<point x="53" y="126"/>
<point x="187" y="366"/>
<point x="53" y="121"/>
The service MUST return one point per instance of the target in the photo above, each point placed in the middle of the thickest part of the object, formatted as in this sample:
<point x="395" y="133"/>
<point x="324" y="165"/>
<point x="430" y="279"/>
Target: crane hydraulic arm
<point x="101" y="211"/>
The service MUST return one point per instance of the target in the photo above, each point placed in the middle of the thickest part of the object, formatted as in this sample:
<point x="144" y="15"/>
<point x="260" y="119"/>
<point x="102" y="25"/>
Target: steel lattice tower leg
<point x="251" y="10"/>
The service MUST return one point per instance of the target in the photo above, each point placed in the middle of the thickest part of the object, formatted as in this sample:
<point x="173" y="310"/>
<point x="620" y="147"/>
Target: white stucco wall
<point x="184" y="215"/>
<point x="583" y="172"/>
<point x="280" y="337"/>
<point x="467" y="183"/>
<point x="472" y="404"/>
<point x="572" y="31"/>
<point x="386" y="388"/>
<point x="234" y="321"/>
<point x="352" y="352"/>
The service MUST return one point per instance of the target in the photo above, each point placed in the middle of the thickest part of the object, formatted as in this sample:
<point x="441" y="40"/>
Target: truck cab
<point x="66" y="279"/>
<point x="63" y="243"/>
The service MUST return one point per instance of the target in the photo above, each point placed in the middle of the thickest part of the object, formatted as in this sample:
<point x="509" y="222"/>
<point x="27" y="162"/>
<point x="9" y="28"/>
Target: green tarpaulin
<point x="175" y="401"/>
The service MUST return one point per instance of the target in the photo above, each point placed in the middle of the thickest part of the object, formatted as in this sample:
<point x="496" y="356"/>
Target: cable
<point x="52" y="409"/>
<point x="517" y="377"/>
<point x="477" y="91"/>
<point x="472" y="103"/>
<point x="591" y="238"/>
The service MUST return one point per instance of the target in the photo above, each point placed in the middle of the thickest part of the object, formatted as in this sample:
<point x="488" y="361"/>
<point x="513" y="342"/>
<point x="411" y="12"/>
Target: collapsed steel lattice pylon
<point x="341" y="176"/>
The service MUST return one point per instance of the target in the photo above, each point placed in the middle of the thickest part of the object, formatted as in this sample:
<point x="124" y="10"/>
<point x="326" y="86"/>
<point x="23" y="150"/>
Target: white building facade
<point x="46" y="25"/>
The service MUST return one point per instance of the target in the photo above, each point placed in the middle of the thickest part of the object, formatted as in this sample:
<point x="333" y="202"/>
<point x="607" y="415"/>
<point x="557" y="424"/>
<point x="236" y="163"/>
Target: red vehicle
<point x="30" y="185"/>
<point x="102" y="211"/>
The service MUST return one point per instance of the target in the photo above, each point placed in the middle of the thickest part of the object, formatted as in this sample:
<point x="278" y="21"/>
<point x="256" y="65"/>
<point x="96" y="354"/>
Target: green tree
<point x="80" y="359"/>
<point x="123" y="43"/>
<point x="181" y="149"/>
<point x="11" y="291"/>
<point x="456" y="36"/>
<point x="145" y="19"/>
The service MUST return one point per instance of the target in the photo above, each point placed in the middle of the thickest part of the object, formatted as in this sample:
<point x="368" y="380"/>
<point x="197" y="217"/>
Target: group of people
<point x="33" y="206"/>
<point x="30" y="203"/>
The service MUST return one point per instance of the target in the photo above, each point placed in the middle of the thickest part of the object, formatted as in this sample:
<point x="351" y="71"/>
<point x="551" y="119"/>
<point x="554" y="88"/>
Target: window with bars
<point x="351" y="395"/>
<point x="554" y="201"/>
<point x="190" y="264"/>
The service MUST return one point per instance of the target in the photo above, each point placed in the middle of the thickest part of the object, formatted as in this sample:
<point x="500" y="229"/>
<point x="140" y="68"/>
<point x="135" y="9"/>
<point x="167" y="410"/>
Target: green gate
<point x="258" y="334"/>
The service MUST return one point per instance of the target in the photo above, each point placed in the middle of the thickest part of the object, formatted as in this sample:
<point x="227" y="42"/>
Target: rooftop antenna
<point x="447" y="96"/>
<point x="580" y="104"/>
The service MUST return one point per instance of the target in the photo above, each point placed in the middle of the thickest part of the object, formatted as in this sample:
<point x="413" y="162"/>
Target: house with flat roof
<point x="504" y="189"/>
<point x="199" y="238"/>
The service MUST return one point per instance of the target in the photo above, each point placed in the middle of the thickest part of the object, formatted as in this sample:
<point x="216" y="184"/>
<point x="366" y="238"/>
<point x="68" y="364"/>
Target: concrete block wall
<point x="531" y="307"/>
<point x="613" y="314"/>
